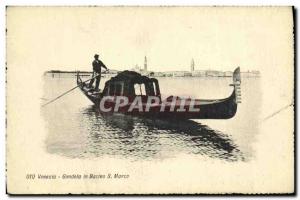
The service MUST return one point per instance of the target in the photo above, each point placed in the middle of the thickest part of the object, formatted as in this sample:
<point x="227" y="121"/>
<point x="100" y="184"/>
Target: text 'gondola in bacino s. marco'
<point x="131" y="93"/>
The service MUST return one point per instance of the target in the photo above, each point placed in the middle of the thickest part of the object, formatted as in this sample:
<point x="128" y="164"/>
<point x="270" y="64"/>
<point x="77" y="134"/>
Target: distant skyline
<point x="217" y="38"/>
<point x="149" y="70"/>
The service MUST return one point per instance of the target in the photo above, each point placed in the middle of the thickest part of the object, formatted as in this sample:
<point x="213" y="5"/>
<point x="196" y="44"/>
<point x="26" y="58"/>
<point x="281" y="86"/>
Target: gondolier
<point x="97" y="64"/>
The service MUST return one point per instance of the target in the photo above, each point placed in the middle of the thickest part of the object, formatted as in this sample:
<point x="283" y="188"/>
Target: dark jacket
<point x="97" y="64"/>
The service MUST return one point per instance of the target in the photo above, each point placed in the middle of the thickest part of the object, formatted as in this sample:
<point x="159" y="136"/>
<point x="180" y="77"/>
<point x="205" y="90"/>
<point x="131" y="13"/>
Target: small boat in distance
<point x="130" y="93"/>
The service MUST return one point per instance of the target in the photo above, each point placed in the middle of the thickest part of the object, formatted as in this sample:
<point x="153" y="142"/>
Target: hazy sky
<point x="66" y="38"/>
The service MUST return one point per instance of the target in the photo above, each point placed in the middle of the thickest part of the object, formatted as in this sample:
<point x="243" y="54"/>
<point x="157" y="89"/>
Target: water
<point x="77" y="130"/>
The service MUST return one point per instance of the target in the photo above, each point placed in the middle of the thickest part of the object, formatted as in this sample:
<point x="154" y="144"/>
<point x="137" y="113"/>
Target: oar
<point x="67" y="91"/>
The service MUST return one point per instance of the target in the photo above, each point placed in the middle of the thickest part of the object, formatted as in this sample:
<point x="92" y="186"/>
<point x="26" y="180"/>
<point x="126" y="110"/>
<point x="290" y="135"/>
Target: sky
<point x="218" y="38"/>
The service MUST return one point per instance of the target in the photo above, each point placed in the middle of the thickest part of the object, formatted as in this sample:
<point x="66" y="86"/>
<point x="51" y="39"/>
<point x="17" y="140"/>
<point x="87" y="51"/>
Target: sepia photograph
<point x="145" y="100"/>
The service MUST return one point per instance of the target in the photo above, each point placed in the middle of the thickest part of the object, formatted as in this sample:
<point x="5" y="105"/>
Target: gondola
<point x="129" y="84"/>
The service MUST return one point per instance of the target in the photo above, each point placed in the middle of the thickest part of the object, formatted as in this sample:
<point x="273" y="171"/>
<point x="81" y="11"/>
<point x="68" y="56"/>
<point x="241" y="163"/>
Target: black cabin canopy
<point x="130" y="83"/>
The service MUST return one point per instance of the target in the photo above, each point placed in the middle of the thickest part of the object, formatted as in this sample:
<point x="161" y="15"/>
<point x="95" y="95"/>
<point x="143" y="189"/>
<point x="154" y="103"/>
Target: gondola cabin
<point x="132" y="84"/>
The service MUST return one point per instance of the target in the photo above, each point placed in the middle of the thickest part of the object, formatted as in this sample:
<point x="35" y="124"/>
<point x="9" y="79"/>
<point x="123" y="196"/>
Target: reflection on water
<point x="141" y="138"/>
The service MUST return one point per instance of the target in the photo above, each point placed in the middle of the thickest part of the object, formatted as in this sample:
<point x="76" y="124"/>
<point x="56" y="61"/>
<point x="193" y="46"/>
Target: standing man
<point x="97" y="64"/>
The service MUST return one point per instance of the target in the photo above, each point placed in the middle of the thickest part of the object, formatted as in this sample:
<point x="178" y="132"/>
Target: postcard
<point x="150" y="100"/>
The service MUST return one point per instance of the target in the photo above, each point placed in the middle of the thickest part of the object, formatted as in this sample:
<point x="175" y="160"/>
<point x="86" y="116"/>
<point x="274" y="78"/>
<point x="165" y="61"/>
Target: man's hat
<point x="96" y="55"/>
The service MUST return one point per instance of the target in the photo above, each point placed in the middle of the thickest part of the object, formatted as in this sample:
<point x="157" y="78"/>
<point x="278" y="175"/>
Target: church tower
<point x="145" y="64"/>
<point x="192" y="65"/>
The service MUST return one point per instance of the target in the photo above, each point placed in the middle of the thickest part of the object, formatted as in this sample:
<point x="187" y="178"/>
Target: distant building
<point x="145" y="64"/>
<point x="250" y="74"/>
<point x="143" y="71"/>
<point x="255" y="73"/>
<point x="221" y="74"/>
<point x="199" y="73"/>
<point x="192" y="65"/>
<point x="177" y="73"/>
<point x="228" y="74"/>
<point x="212" y="73"/>
<point x="157" y="74"/>
<point x="168" y="74"/>
<point x="136" y="69"/>
<point x="187" y="74"/>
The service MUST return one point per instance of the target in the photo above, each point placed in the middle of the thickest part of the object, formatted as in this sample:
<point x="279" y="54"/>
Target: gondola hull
<point x="180" y="109"/>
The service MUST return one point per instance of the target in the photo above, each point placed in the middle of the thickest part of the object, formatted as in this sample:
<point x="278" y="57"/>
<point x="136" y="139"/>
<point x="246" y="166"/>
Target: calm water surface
<point x="77" y="130"/>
